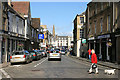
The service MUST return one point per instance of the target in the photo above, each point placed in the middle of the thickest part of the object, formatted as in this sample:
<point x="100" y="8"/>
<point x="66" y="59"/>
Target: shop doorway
<point x="104" y="51"/>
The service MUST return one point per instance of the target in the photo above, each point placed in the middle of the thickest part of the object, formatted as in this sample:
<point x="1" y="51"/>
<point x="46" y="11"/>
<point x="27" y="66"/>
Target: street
<point x="66" y="68"/>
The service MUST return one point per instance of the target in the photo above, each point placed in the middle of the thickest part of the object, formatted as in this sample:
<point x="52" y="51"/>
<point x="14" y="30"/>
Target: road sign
<point x="40" y="36"/>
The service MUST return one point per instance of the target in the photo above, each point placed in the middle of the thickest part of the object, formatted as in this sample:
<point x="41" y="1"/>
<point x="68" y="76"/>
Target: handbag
<point x="94" y="66"/>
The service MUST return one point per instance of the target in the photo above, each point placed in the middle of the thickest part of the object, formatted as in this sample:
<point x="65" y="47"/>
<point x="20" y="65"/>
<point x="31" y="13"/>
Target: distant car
<point x="44" y="53"/>
<point x="39" y="54"/>
<point x="20" y="56"/>
<point x="63" y="52"/>
<point x="54" y="54"/>
<point x="35" y="55"/>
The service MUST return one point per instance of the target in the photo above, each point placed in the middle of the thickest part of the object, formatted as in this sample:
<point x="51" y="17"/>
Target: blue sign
<point x="40" y="36"/>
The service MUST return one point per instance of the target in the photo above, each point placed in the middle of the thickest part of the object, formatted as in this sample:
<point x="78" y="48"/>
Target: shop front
<point x="104" y="47"/>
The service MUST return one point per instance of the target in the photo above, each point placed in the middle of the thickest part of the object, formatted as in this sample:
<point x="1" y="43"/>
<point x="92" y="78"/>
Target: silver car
<point x="63" y="52"/>
<point x="54" y="54"/>
<point x="20" y="56"/>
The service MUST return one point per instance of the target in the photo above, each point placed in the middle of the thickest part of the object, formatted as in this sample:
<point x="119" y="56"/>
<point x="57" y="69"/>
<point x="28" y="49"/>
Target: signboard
<point x="92" y="38"/>
<point x="103" y="36"/>
<point x="83" y="40"/>
<point x="40" y="36"/>
<point x="43" y="44"/>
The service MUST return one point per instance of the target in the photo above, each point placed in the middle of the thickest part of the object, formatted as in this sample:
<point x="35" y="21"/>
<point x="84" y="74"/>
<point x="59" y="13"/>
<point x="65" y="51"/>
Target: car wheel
<point x="11" y="63"/>
<point x="60" y="59"/>
<point x="48" y="59"/>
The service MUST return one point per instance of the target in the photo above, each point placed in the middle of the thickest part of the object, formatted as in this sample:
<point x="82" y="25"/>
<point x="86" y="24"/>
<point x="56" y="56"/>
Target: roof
<point x="35" y="22"/>
<point x="13" y="11"/>
<point x="22" y="7"/>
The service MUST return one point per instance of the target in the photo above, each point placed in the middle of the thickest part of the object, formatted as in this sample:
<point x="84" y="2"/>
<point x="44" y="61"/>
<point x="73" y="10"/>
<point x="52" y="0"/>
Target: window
<point x="81" y="19"/>
<point x="108" y="23"/>
<point x="96" y="8"/>
<point x="101" y="5"/>
<point x="4" y="23"/>
<point x="81" y="33"/>
<point x="90" y="28"/>
<point x="95" y="26"/>
<point x="101" y="24"/>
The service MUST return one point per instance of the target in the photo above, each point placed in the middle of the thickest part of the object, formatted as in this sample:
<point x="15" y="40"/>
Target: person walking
<point x="94" y="62"/>
<point x="89" y="52"/>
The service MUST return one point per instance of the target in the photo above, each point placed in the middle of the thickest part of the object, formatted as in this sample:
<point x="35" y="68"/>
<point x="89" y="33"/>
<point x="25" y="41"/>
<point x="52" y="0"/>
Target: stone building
<point x="62" y="41"/>
<point x="100" y="25"/>
<point x="3" y="31"/>
<point x="78" y="33"/>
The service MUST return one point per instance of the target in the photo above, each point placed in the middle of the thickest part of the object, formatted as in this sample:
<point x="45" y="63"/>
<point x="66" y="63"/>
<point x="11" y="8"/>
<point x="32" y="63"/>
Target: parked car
<point x="39" y="54"/>
<point x="44" y="53"/>
<point x="35" y="55"/>
<point x="63" y="52"/>
<point x="20" y="56"/>
<point x="54" y="54"/>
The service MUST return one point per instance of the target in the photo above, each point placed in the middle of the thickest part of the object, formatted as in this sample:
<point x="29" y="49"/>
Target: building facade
<point x="23" y="8"/>
<point x="35" y="23"/>
<point x="78" y="33"/>
<point x="100" y="25"/>
<point x="62" y="41"/>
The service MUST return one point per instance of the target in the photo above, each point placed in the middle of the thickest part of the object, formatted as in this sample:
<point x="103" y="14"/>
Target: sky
<point x="59" y="14"/>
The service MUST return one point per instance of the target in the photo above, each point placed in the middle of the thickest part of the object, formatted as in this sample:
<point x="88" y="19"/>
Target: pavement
<point x="106" y="64"/>
<point x="3" y="65"/>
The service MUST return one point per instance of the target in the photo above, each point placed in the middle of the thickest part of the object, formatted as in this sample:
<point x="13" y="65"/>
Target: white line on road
<point x="5" y="73"/>
<point x="40" y="62"/>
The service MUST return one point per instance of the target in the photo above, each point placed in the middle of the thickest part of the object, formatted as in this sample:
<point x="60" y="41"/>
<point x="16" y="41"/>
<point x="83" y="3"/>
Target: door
<point x="104" y="51"/>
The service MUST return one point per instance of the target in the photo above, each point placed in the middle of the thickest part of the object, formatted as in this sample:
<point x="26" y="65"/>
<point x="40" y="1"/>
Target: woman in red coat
<point x="94" y="62"/>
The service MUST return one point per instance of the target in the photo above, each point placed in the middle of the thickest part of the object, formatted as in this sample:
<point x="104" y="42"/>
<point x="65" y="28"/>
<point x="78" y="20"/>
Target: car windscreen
<point x="55" y="51"/>
<point x="41" y="50"/>
<point x="32" y="52"/>
<point x="17" y="53"/>
<point x="62" y="50"/>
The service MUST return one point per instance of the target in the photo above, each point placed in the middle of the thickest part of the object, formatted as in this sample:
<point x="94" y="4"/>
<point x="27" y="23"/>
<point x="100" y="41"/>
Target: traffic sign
<point x="40" y="36"/>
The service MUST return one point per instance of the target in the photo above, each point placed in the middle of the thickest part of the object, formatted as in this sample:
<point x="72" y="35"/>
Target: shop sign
<point x="103" y="36"/>
<point x="83" y="40"/>
<point x="117" y="35"/>
<point x="109" y="44"/>
<point x="92" y="38"/>
<point x="43" y="44"/>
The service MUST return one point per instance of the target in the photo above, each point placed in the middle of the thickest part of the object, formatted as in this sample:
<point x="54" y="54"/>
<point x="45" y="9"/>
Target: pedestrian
<point x="94" y="62"/>
<point x="89" y="52"/>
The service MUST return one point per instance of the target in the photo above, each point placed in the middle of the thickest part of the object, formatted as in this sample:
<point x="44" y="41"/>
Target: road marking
<point x="5" y="73"/>
<point x="40" y="62"/>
